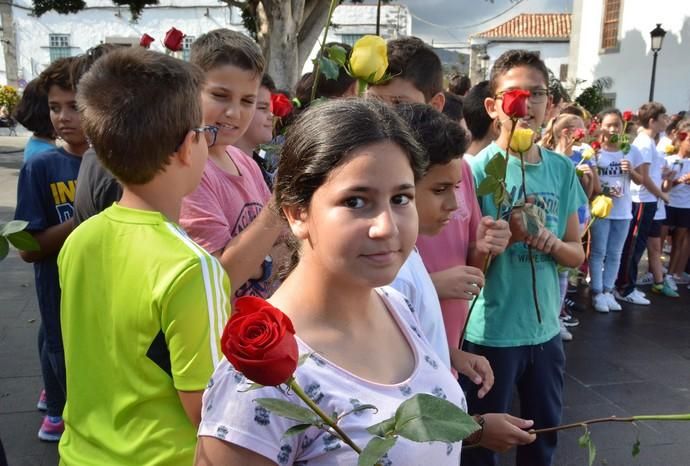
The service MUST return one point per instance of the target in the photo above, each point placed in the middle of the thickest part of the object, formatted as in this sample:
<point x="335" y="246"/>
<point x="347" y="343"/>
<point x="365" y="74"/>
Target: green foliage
<point x="375" y="449"/>
<point x="65" y="7"/>
<point x="585" y="441"/>
<point x="289" y="410"/>
<point x="592" y="98"/>
<point x="13" y="233"/>
<point x="427" y="418"/>
<point x="9" y="98"/>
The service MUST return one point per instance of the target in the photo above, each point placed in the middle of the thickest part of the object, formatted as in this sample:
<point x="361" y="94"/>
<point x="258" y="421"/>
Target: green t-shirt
<point x="143" y="309"/>
<point x="505" y="314"/>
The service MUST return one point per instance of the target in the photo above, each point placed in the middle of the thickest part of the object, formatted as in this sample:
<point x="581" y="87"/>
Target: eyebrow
<point x="366" y="189"/>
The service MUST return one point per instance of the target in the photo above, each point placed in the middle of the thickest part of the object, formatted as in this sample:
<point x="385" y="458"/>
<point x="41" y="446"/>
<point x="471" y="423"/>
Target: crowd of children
<point x="159" y="209"/>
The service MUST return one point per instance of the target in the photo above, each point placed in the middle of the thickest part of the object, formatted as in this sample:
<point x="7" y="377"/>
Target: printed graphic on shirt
<point x="614" y="187"/>
<point x="550" y="204"/>
<point x="247" y="215"/>
<point x="63" y="198"/>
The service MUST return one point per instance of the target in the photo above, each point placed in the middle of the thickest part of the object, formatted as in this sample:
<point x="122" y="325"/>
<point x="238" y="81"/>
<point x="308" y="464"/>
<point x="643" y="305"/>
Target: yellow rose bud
<point x="369" y="57"/>
<point x="670" y="149"/>
<point x="522" y="140"/>
<point x="601" y="206"/>
<point x="587" y="154"/>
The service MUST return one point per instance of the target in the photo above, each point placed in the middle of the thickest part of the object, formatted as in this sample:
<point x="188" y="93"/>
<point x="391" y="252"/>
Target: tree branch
<point x="310" y="29"/>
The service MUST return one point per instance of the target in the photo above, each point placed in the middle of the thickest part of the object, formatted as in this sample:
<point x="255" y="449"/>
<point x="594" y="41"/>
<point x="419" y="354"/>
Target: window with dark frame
<point x="59" y="47"/>
<point x="609" y="33"/>
<point x="187" y="47"/>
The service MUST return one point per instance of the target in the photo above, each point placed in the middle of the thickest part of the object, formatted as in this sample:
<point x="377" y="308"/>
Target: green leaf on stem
<point x="337" y="54"/>
<point x="614" y="139"/>
<point x="328" y="68"/>
<point x="289" y="410"/>
<point x="375" y="449"/>
<point x="358" y="409"/>
<point x="533" y="217"/>
<point x="13" y="227"/>
<point x="24" y="241"/>
<point x="496" y="167"/>
<point x="296" y="429"/>
<point x="487" y="186"/>
<point x="4" y="248"/>
<point x="636" y="448"/>
<point x="427" y="418"/>
<point x="383" y="428"/>
<point x="585" y="441"/>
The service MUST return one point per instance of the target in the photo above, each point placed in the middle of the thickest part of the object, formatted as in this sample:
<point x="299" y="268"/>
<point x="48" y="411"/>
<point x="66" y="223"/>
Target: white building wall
<point x="631" y="66"/>
<point x="554" y="54"/>
<point x="102" y="21"/>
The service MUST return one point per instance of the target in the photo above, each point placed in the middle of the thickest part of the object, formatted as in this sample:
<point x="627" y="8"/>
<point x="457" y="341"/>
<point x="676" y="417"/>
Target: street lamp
<point x="657" y="34"/>
<point x="484" y="63"/>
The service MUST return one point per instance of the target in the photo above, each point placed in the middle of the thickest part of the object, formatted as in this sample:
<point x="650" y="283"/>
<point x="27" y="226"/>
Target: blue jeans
<point x="608" y="238"/>
<point x="635" y="245"/>
<point x="537" y="371"/>
<point x="53" y="370"/>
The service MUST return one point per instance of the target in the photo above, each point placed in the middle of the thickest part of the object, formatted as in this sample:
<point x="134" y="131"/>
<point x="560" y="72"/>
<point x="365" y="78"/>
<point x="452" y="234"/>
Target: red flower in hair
<point x="515" y="103"/>
<point x="596" y="145"/>
<point x="280" y="105"/>
<point x="146" y="41"/>
<point x="173" y="40"/>
<point x="627" y="115"/>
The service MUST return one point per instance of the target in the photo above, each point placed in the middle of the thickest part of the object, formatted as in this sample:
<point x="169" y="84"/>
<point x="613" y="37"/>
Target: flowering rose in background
<point x="596" y="145"/>
<point x="368" y="62"/>
<point x="173" y="40"/>
<point x="593" y="126"/>
<point x="599" y="208"/>
<point x="522" y="140"/>
<point x="281" y="106"/>
<point x="146" y="41"/>
<point x="670" y="149"/>
<point x="578" y="134"/>
<point x="628" y="115"/>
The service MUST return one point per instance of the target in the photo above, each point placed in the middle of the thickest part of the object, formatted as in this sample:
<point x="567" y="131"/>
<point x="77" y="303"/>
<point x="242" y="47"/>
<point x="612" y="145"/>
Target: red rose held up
<point x="596" y="145"/>
<point x="280" y="105"/>
<point x="173" y="40"/>
<point x="515" y="103"/>
<point x="259" y="341"/>
<point x="627" y="115"/>
<point x="578" y="134"/>
<point x="146" y="41"/>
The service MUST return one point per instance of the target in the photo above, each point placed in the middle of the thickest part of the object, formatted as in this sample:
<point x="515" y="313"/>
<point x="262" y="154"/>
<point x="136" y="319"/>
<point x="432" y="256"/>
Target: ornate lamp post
<point x="657" y="35"/>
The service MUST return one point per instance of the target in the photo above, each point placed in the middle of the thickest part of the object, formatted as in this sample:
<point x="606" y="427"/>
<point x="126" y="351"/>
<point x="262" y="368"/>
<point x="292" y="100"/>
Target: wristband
<point x="476" y="437"/>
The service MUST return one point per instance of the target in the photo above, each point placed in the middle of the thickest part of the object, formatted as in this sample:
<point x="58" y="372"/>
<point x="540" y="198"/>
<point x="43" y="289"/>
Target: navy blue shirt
<point x="45" y="197"/>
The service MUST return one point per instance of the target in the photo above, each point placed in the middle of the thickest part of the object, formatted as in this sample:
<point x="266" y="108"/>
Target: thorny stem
<point x="652" y="417"/>
<point x="292" y="383"/>
<point x="529" y="248"/>
<point x="317" y="67"/>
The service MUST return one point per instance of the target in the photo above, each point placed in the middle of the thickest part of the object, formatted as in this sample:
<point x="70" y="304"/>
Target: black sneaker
<point x="571" y="305"/>
<point x="569" y="320"/>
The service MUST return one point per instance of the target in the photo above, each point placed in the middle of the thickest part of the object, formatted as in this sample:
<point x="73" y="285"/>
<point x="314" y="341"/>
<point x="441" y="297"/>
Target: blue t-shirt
<point x="45" y="196"/>
<point x="505" y="315"/>
<point x="36" y="146"/>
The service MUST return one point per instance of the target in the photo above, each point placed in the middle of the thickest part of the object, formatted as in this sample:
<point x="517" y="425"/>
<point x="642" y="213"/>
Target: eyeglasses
<point x="210" y="132"/>
<point x="536" y="96"/>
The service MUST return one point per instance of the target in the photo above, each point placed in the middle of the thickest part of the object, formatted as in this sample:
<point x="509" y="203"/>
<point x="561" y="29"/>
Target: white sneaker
<point x="565" y="333"/>
<point x="600" y="303"/>
<point x="682" y="279"/>
<point x="639" y="293"/>
<point x="633" y="298"/>
<point x="612" y="303"/>
<point x="671" y="282"/>
<point x="646" y="279"/>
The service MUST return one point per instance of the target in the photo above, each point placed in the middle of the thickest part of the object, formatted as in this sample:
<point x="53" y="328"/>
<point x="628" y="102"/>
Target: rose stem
<point x="317" y="66"/>
<point x="652" y="417"/>
<point x="292" y="383"/>
<point x="487" y="261"/>
<point x="529" y="248"/>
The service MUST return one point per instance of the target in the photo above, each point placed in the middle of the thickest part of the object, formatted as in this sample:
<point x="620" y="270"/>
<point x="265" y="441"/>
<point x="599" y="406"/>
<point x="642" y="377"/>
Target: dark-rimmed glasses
<point x="210" y="132"/>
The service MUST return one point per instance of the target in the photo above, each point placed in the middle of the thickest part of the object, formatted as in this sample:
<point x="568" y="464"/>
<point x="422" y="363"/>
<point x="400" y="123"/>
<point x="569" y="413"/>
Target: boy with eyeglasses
<point x="143" y="306"/>
<point x="503" y="327"/>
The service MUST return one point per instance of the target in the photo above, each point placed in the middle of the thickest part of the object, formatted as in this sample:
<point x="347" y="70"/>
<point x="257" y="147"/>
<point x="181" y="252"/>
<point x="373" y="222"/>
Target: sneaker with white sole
<point x="639" y="293"/>
<point x="646" y="279"/>
<point x="51" y="429"/>
<point x="600" y="303"/>
<point x="612" y="303"/>
<point x="664" y="289"/>
<point x="42" y="404"/>
<point x="668" y="279"/>
<point x="682" y="279"/>
<point x="565" y="333"/>
<point x="633" y="298"/>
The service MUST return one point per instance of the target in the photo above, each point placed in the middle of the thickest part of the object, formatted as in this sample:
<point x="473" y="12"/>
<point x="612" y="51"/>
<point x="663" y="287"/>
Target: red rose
<point x="627" y="115"/>
<point x="259" y="341"/>
<point x="593" y="127"/>
<point x="578" y="134"/>
<point x="173" y="40"/>
<point x="682" y="136"/>
<point x="515" y="103"/>
<point x="280" y="105"/>
<point x="596" y="145"/>
<point x="146" y="41"/>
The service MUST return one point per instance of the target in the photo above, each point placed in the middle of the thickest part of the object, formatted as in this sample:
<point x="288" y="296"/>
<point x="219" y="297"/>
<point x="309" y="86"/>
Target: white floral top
<point x="231" y="415"/>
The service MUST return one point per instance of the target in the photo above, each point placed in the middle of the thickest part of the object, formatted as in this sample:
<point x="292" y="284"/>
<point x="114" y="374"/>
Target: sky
<point x="449" y="23"/>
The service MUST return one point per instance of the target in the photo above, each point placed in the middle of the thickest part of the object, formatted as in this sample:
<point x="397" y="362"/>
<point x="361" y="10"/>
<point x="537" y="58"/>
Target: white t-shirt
<point x="679" y="195"/>
<point x="661" y="205"/>
<point x="664" y="142"/>
<point x="647" y="148"/>
<point x="229" y="413"/>
<point x="612" y="176"/>
<point x="414" y="282"/>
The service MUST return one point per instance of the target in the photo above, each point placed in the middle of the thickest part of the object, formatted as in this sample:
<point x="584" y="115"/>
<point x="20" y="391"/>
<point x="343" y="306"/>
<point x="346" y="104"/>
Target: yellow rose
<point x="369" y="59"/>
<point x="587" y="154"/>
<point x="522" y="140"/>
<point x="601" y="206"/>
<point x="670" y="149"/>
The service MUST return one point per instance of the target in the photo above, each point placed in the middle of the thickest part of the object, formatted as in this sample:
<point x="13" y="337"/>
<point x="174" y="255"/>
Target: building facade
<point x="611" y="39"/>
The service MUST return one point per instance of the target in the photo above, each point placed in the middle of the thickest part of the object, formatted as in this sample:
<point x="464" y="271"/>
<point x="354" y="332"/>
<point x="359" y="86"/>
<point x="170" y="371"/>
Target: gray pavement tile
<point x="19" y="435"/>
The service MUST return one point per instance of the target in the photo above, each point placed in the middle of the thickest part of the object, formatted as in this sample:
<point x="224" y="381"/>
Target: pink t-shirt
<point x="223" y="205"/>
<point x="450" y="248"/>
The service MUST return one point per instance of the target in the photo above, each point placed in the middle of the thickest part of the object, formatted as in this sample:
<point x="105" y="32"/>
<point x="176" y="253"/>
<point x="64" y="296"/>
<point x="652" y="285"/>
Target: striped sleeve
<point x="194" y="314"/>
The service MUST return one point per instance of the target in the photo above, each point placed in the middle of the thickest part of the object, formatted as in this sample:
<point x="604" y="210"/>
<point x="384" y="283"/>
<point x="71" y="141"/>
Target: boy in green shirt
<point x="143" y="306"/>
<point x="503" y="326"/>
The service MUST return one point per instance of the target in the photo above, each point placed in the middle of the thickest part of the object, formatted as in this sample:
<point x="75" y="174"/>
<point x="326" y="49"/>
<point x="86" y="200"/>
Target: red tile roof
<point x="538" y="26"/>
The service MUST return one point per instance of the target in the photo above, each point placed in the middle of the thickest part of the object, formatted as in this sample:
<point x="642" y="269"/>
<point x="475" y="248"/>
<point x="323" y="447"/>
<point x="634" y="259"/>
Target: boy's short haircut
<point x="409" y="58"/>
<point x="442" y="139"/>
<point x="573" y="109"/>
<point x="650" y="111"/>
<point x="60" y="73"/>
<point x="453" y="106"/>
<point x="513" y="59"/>
<point x="476" y="118"/>
<point x="225" y="47"/>
<point x="137" y="107"/>
<point x="32" y="111"/>
<point x="268" y="82"/>
<point x="459" y="84"/>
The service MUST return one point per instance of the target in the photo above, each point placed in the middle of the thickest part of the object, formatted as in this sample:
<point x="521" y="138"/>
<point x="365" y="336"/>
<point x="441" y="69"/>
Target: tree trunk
<point x="9" y="46"/>
<point x="280" y="43"/>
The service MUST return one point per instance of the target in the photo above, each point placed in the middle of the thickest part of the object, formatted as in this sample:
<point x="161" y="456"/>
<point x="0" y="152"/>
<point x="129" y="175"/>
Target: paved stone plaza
<point x="633" y="362"/>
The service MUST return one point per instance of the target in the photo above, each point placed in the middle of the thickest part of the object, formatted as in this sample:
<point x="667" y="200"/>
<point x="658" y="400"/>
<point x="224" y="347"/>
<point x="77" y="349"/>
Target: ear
<point x="297" y="219"/>
<point x="438" y="101"/>
<point x="491" y="107"/>
<point x="185" y="151"/>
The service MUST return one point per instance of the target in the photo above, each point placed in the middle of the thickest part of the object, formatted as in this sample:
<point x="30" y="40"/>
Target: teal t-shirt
<point x="505" y="314"/>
